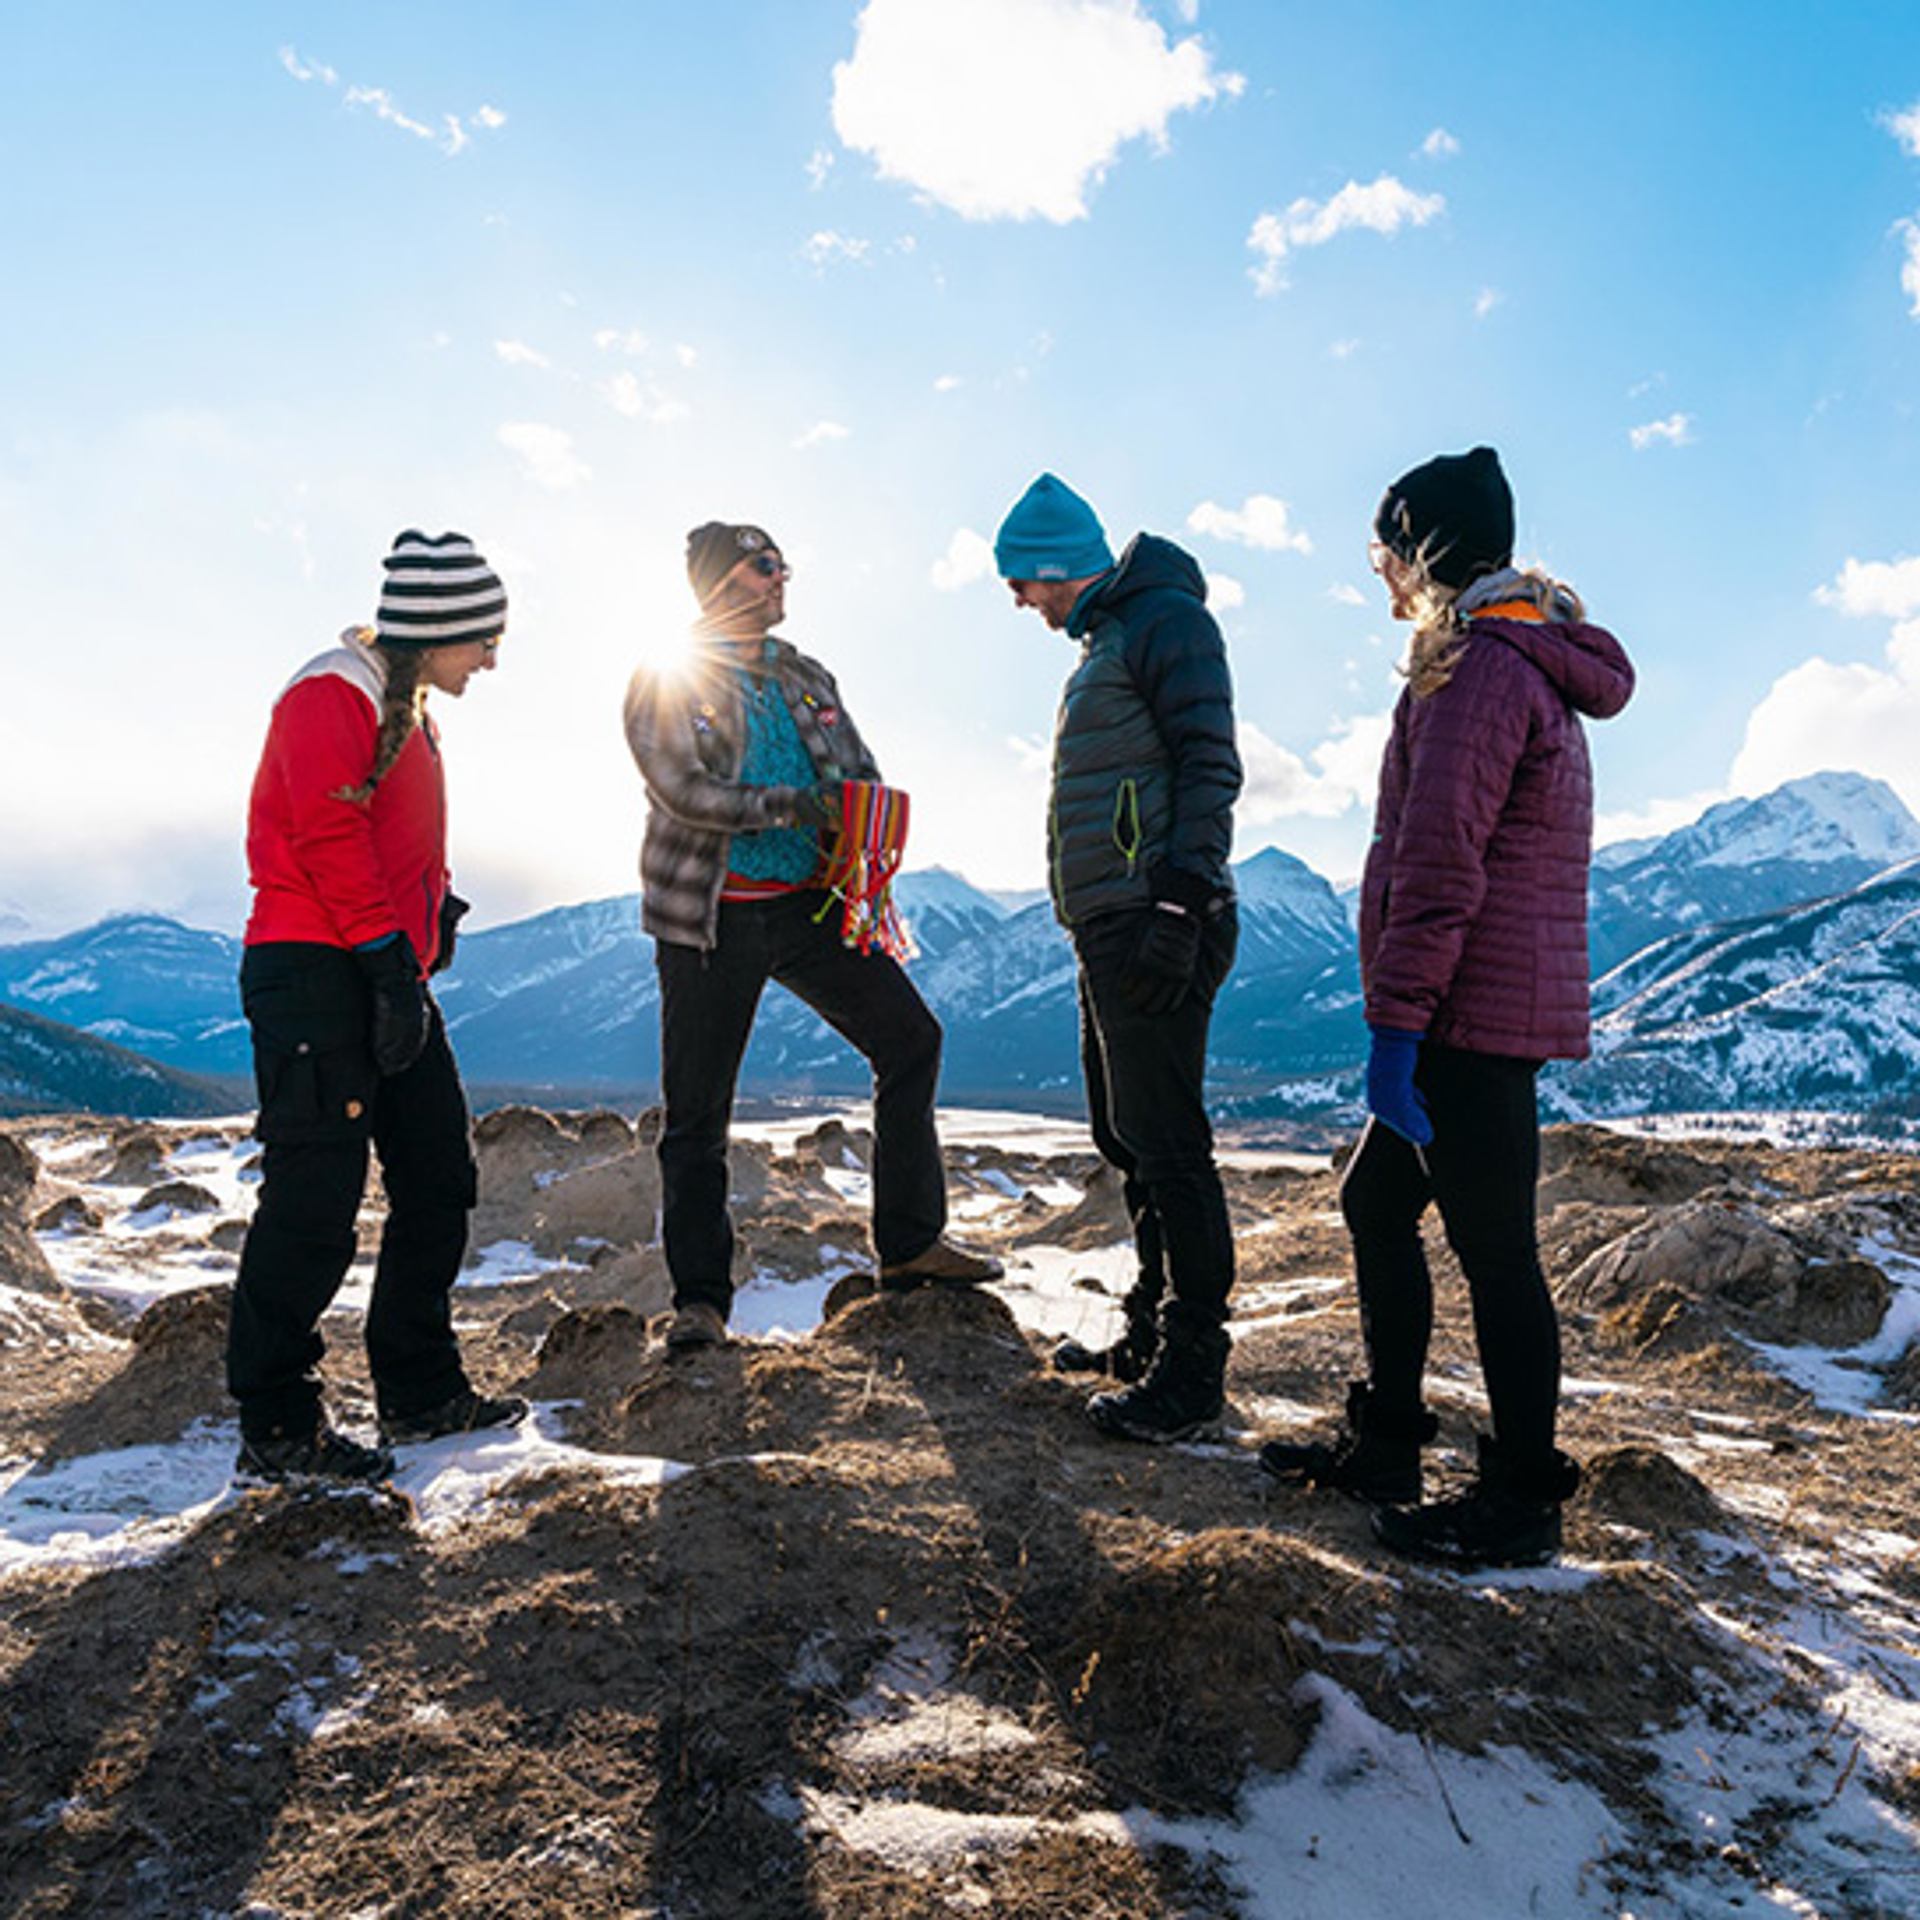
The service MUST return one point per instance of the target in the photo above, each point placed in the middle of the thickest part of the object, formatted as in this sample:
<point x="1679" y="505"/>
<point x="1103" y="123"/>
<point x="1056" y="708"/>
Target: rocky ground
<point x="859" y="1617"/>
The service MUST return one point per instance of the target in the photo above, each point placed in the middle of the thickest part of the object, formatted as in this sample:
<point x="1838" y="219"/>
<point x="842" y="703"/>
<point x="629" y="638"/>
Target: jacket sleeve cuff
<point x="1183" y="889"/>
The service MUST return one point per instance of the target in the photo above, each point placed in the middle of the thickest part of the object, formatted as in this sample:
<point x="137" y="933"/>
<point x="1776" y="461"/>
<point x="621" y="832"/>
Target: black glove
<point x="401" y="1009"/>
<point x="1159" y="971"/>
<point x="818" y="808"/>
<point x="452" y="911"/>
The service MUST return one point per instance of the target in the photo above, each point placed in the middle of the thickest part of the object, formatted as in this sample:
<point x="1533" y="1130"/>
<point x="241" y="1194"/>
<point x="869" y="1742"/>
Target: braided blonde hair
<point x="402" y="703"/>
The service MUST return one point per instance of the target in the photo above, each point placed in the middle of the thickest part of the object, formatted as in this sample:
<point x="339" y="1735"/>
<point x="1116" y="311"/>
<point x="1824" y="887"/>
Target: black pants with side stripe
<point x="322" y="1104"/>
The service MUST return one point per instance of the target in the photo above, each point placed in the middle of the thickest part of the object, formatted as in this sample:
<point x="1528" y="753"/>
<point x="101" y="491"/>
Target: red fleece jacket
<point x="332" y="870"/>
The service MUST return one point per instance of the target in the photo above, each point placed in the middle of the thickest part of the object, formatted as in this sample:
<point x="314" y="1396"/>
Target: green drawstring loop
<point x="1126" y="823"/>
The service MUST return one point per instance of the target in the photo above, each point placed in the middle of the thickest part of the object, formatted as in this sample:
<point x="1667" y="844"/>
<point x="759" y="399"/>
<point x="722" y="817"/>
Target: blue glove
<point x="1392" y="1098"/>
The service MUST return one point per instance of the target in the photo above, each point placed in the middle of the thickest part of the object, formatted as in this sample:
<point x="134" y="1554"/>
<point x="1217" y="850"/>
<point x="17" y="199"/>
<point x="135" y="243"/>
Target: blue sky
<point x="284" y="280"/>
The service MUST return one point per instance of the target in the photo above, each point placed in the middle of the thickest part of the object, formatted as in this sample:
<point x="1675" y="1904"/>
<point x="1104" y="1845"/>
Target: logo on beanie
<point x="749" y="539"/>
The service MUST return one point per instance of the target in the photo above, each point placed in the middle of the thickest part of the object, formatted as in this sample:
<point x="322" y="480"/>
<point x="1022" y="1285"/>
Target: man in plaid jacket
<point x="743" y="747"/>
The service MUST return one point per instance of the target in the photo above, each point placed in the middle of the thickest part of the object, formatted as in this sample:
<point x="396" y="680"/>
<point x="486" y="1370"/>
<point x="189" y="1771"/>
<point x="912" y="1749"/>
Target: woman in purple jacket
<point x="1473" y="954"/>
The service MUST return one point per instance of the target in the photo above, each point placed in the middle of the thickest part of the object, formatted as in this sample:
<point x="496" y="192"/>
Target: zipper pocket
<point x="1126" y="822"/>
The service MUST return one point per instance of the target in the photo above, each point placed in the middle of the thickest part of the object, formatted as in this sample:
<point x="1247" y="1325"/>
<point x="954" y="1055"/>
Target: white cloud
<point x="820" y="433"/>
<point x="1343" y="349"/>
<point x="1224" y="592"/>
<point x="826" y="248"/>
<point x="1188" y="10"/>
<point x="685" y="354"/>
<point x="1347" y="594"/>
<point x="1904" y="125"/>
<point x="626" y="393"/>
<point x="454" y="139"/>
<point x="1383" y="206"/>
<point x="1869" y="589"/>
<point x="969" y="557"/>
<point x="1485" y="301"/>
<point x="1909" y="232"/>
<point x="516" y="353"/>
<point x="819" y="165"/>
<point x="1260" y="521"/>
<point x="303" y="70"/>
<point x="628" y="340"/>
<point x="1341" y="772"/>
<point x="1014" y="109"/>
<point x="548" y="452"/>
<point x="1439" y="145"/>
<point x="1868" y="714"/>
<point x="946" y="382"/>
<point x="1676" y="430"/>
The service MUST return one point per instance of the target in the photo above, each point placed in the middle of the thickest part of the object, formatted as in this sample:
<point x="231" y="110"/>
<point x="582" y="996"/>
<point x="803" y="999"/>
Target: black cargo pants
<point x="322" y="1101"/>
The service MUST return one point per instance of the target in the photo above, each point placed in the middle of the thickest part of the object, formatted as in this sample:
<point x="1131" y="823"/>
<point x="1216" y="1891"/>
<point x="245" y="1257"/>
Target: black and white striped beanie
<point x="438" y="592"/>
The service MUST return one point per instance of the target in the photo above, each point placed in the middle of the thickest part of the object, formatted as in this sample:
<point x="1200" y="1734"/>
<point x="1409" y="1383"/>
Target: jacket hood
<point x="1587" y="665"/>
<point x="1148" y="564"/>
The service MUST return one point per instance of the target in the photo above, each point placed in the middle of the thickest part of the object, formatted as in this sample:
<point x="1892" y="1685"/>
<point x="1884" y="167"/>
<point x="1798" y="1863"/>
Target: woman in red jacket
<point x="346" y="851"/>
<point x="1473" y="955"/>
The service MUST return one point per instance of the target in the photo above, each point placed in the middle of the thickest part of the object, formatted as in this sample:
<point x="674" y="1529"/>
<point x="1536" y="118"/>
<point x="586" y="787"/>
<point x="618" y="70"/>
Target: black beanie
<point x="715" y="549"/>
<point x="1455" y="513"/>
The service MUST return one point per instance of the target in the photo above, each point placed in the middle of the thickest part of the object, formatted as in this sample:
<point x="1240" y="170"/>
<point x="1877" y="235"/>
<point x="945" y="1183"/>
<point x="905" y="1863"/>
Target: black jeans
<point x="1145" y="1075"/>
<point x="1480" y="1170"/>
<point x="707" y="1004"/>
<point x="322" y="1100"/>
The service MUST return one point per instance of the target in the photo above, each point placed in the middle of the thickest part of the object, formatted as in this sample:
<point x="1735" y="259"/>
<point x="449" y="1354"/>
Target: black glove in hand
<point x="401" y="1009"/>
<point x="818" y="808"/>
<point x="452" y="911"/>
<point x="1159" y="972"/>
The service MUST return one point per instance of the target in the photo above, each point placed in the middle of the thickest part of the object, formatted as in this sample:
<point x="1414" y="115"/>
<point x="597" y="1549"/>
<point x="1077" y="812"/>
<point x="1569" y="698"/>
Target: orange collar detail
<point x="1511" y="610"/>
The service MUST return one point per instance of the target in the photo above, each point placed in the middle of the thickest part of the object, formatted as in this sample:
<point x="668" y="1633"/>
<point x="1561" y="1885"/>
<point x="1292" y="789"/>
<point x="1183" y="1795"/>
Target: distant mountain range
<point x="1765" y="956"/>
<point x="49" y="1068"/>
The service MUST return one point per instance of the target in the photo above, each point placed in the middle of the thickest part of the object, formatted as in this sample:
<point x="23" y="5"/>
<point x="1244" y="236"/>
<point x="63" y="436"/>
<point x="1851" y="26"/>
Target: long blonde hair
<point x="1440" y="621"/>
<point x="403" y="701"/>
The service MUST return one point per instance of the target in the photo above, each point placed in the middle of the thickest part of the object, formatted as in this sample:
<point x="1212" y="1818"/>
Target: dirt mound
<point x="1182" y="1666"/>
<point x="71" y="1213"/>
<point x="174" y="1375"/>
<point x="175" y="1197"/>
<point x="19" y="1173"/>
<point x="589" y="1353"/>
<point x="614" y="1203"/>
<point x="136" y="1157"/>
<point x="1727" y="1254"/>
<point x="526" y="1154"/>
<point x="797" y="1245"/>
<point x="1639" y="1486"/>
<point x="1617" y="1169"/>
<point x="1098" y="1220"/>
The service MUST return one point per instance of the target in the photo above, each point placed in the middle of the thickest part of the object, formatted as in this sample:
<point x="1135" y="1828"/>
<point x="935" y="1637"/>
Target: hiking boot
<point x="466" y="1412"/>
<point x="1503" y="1519"/>
<point x="320" y="1458"/>
<point x="1127" y="1358"/>
<point x="1182" y="1395"/>
<point x="1372" y="1458"/>
<point x="944" y="1264"/>
<point x="696" y="1327"/>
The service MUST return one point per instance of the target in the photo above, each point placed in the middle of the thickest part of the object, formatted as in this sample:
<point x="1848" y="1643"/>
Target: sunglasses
<point x="770" y="567"/>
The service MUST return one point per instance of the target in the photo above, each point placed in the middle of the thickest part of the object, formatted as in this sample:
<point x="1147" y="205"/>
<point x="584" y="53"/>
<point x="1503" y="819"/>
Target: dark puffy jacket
<point x="1145" y="770"/>
<point x="1473" y="909"/>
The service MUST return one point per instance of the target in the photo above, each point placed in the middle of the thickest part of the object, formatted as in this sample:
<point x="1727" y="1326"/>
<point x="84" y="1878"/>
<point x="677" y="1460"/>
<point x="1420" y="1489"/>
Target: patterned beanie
<point x="1455" y="513"/>
<point x="1050" y="533"/>
<point x="716" y="548"/>
<point x="438" y="592"/>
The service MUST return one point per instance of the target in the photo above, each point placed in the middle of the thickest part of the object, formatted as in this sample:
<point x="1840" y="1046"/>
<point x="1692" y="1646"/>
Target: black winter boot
<point x="1182" y="1395"/>
<point x="1508" y="1516"/>
<point x="1373" y="1457"/>
<point x="1129" y="1357"/>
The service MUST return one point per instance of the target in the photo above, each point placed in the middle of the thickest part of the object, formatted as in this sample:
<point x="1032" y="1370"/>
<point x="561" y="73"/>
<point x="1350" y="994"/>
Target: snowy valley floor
<point x="857" y="1617"/>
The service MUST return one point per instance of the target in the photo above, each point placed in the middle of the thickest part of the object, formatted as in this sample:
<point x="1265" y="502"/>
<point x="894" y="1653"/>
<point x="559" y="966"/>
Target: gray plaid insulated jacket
<point x="687" y="729"/>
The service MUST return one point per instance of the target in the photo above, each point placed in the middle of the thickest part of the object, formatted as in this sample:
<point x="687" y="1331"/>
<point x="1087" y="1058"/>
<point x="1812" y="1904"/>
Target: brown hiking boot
<point x="944" y="1264"/>
<point x="695" y="1327"/>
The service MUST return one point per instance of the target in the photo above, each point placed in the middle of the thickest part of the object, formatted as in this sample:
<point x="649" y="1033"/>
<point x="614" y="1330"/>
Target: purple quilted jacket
<point x="1473" y="909"/>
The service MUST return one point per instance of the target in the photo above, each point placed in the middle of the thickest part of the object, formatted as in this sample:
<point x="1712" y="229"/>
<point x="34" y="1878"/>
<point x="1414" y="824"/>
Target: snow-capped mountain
<point x="141" y="982"/>
<point x="1812" y="837"/>
<point x="1815" y="1007"/>
<point x="46" y="1067"/>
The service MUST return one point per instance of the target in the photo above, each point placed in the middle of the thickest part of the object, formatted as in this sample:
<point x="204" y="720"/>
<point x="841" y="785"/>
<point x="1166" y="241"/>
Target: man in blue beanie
<point x="1139" y="829"/>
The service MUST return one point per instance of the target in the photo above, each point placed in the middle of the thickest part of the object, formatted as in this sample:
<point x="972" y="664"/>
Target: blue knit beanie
<point x="1051" y="534"/>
